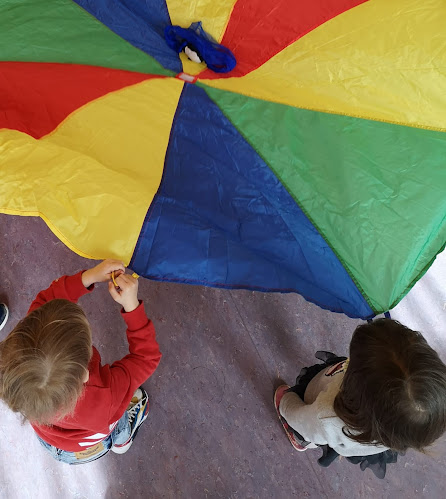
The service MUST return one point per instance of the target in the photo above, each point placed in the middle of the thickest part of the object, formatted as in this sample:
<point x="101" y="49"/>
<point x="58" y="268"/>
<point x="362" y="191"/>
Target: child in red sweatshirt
<point x="52" y="375"/>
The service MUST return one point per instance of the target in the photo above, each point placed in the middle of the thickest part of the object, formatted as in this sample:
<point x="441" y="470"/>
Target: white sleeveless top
<point x="315" y="418"/>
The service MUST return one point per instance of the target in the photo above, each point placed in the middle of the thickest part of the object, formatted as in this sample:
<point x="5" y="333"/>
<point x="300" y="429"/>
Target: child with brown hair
<point x="389" y="396"/>
<point x="52" y="375"/>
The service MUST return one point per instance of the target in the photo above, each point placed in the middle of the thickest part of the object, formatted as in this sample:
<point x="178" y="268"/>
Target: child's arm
<point x="133" y="370"/>
<point x="302" y="417"/>
<point x="318" y="424"/>
<point x="72" y="287"/>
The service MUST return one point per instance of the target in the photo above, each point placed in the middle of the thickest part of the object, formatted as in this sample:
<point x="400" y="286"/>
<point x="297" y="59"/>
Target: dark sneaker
<point x="279" y="393"/>
<point x="4" y="314"/>
<point x="137" y="411"/>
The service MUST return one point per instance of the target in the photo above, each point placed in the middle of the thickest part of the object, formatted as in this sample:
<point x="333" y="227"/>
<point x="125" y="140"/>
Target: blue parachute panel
<point x="222" y="218"/>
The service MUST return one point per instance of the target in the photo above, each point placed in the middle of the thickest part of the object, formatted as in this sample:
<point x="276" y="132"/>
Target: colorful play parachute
<point x="317" y="165"/>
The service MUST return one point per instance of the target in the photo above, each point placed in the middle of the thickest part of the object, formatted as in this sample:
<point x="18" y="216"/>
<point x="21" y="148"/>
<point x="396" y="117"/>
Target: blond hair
<point x="44" y="362"/>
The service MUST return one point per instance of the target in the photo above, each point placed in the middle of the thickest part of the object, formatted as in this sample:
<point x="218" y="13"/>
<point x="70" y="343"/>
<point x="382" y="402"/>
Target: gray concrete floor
<point x="212" y="430"/>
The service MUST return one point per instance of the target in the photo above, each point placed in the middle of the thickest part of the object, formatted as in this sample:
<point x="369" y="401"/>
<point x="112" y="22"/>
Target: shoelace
<point x="134" y="411"/>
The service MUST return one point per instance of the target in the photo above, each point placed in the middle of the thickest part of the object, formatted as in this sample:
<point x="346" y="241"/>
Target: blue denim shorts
<point x="120" y="434"/>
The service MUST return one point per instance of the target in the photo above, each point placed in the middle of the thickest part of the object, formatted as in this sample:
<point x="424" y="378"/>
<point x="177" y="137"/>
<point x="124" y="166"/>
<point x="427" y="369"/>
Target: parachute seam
<point x="208" y="83"/>
<point x="322" y="234"/>
<point x="150" y="209"/>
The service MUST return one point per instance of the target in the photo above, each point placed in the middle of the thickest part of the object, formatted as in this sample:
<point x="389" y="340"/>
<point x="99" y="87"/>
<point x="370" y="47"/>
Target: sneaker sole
<point x="123" y="449"/>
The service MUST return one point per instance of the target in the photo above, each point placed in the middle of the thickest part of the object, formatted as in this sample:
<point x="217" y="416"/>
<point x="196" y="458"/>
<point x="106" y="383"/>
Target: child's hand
<point x="127" y="294"/>
<point x="102" y="272"/>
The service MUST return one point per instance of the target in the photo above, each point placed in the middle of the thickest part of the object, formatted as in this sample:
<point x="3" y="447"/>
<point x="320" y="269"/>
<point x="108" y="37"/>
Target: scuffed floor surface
<point x="212" y="430"/>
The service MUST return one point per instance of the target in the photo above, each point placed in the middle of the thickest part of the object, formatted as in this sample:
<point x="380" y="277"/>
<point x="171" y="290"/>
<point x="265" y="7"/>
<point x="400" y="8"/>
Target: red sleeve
<point x="67" y="287"/>
<point x="132" y="371"/>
